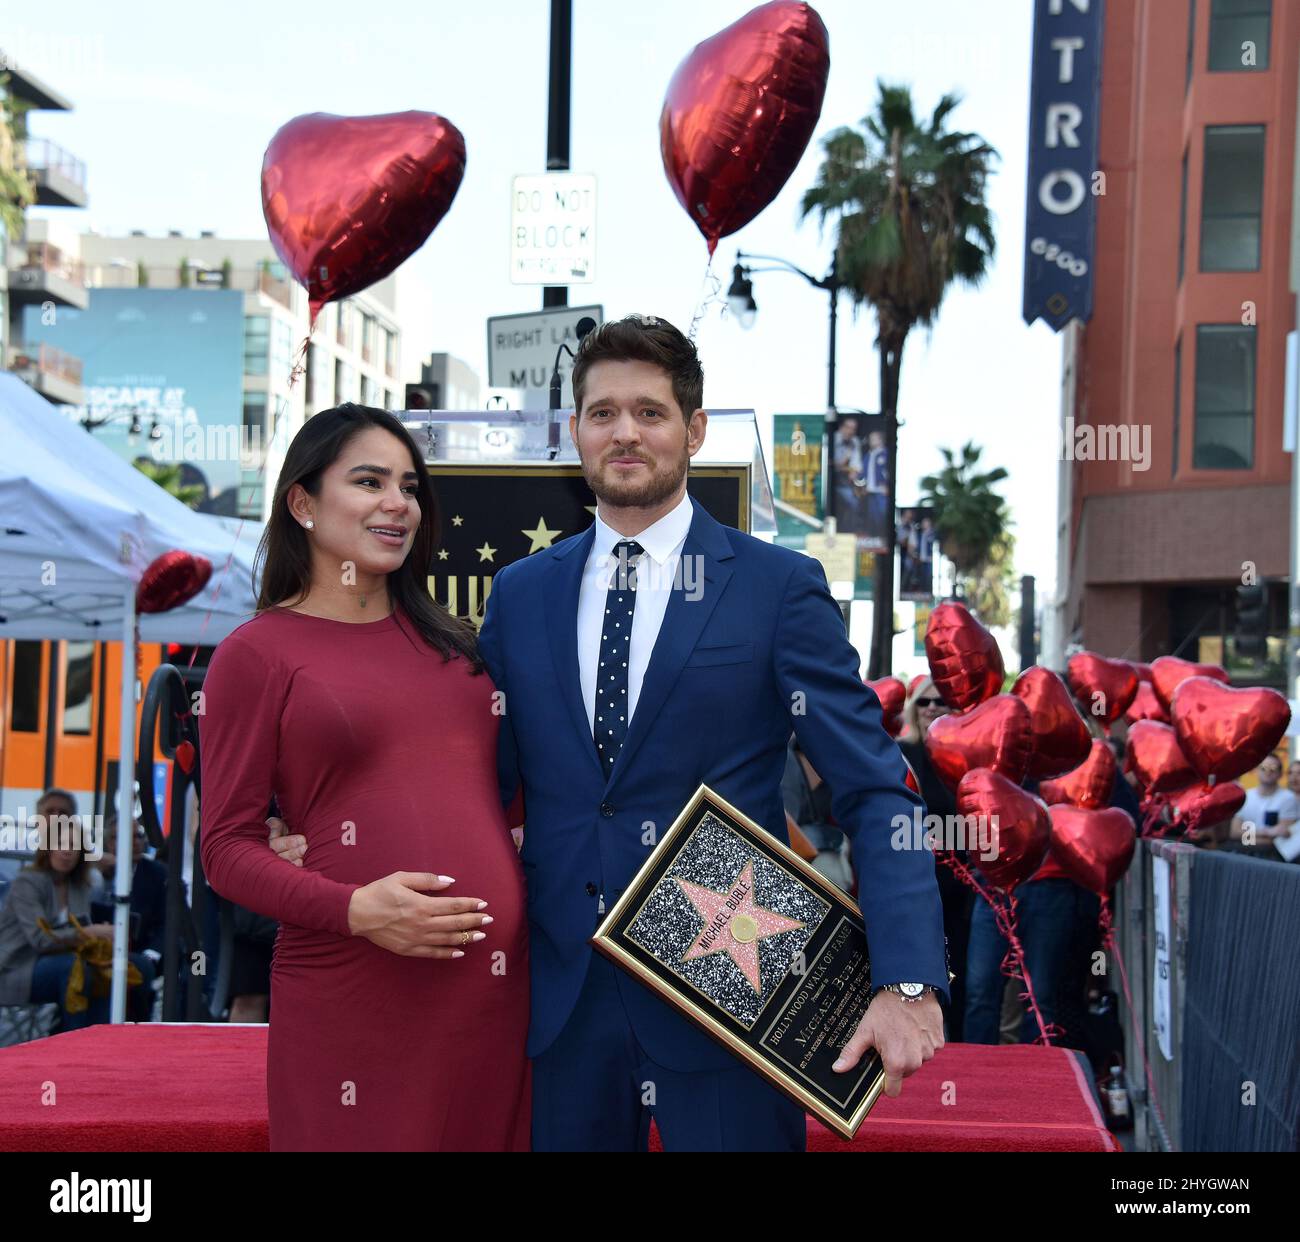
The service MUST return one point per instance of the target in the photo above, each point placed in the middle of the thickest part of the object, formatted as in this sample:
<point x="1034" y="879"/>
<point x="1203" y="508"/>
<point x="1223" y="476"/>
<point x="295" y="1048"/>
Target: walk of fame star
<point x="541" y="536"/>
<point x="734" y="923"/>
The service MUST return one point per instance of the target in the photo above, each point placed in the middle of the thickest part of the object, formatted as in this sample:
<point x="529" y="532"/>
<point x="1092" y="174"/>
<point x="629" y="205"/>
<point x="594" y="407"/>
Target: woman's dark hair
<point x="643" y="338"/>
<point x="284" y="558"/>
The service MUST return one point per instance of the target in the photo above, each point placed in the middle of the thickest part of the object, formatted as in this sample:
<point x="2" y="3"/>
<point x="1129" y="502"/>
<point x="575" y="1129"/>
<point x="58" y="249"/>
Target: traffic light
<point x="1250" y="637"/>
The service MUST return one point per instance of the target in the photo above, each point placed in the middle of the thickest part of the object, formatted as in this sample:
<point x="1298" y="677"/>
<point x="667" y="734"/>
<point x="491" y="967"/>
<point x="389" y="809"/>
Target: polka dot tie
<point x="610" y="724"/>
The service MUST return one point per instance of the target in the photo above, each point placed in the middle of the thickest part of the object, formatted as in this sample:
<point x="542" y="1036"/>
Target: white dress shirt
<point x="654" y="580"/>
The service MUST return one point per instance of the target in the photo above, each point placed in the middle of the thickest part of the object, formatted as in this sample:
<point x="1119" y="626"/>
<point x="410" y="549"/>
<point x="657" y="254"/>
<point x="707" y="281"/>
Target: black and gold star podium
<point x="508" y="487"/>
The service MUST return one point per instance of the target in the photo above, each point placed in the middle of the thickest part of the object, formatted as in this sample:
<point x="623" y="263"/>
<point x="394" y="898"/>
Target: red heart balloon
<point x="185" y="755"/>
<point x="1169" y="672"/>
<point x="892" y="695"/>
<point x="1094" y="848"/>
<point x="739" y="113"/>
<point x="1145" y="705"/>
<point x="349" y="198"/>
<point x="1142" y="670"/>
<point x="965" y="662"/>
<point x="171" y="580"/>
<point x="916" y="681"/>
<point x="1060" y="738"/>
<point x="1012" y="827"/>
<point x="1226" y="732"/>
<point x="1089" y="785"/>
<point x="1202" y="806"/>
<point x="996" y="734"/>
<point x="1103" y="687"/>
<point x="1153" y="755"/>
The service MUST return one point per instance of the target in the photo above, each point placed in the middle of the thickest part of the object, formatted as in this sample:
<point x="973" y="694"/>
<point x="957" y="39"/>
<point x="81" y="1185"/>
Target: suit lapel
<point x="684" y="622"/>
<point x="561" y="593"/>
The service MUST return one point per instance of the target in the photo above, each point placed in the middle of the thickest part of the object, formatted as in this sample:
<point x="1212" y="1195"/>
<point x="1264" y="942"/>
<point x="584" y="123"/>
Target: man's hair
<point x="56" y="791"/>
<point x="643" y="338"/>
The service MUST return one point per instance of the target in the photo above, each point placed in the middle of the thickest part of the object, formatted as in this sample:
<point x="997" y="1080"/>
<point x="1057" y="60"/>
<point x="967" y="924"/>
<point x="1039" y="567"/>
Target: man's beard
<point x="644" y="495"/>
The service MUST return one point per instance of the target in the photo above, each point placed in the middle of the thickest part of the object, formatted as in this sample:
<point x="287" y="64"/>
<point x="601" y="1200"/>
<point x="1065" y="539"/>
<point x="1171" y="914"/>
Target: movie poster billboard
<point x="798" y="451"/>
<point x="915" y="535"/>
<point x="166" y="358"/>
<point x="860" y="469"/>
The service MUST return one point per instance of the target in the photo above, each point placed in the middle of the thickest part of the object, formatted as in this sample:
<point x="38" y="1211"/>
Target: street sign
<point x="521" y="349"/>
<point x="553" y="229"/>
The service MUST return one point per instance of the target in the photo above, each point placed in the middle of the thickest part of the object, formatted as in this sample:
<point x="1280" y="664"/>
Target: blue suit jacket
<point x="761" y="651"/>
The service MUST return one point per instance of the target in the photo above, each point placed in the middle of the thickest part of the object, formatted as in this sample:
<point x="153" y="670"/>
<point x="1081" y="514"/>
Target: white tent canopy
<point x="78" y="528"/>
<point x="80" y="525"/>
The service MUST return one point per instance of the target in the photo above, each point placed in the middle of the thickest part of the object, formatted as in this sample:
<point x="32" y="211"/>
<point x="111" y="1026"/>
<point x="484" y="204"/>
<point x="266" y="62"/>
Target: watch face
<point x="911" y="989"/>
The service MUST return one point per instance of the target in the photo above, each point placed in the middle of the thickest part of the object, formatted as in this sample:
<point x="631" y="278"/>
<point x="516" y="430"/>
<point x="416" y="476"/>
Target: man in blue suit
<point x="655" y="651"/>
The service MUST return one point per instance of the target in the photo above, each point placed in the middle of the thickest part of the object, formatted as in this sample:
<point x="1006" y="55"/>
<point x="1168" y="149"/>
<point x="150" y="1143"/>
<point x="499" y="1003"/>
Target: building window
<point x="309" y="384"/>
<point x="1239" y="32"/>
<point x="345" y="379"/>
<point x="388" y="400"/>
<point x="257" y="344"/>
<point x="344" y="334"/>
<point x="1225" y="398"/>
<point x="1232" y="190"/>
<point x="1182" y="223"/>
<point x="1191" y="42"/>
<point x="25" y="716"/>
<point x="368" y="338"/>
<point x="281" y="347"/>
<point x="78" y="683"/>
<point x="390" y="353"/>
<point x="369" y="391"/>
<point x="1178" y="402"/>
<point x="255" y="436"/>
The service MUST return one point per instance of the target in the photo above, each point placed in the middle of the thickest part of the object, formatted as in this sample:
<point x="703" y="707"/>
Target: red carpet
<point x="203" y="1088"/>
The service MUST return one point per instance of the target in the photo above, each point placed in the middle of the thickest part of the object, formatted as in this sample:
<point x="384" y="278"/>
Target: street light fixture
<point x="740" y="297"/>
<point x="132" y="432"/>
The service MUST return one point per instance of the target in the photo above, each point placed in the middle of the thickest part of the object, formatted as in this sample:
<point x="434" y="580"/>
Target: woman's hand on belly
<point x="395" y="914"/>
<point x="290" y="846"/>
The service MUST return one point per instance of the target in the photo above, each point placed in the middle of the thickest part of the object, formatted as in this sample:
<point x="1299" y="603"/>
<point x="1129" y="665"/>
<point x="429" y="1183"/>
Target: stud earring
<point x="309" y="524"/>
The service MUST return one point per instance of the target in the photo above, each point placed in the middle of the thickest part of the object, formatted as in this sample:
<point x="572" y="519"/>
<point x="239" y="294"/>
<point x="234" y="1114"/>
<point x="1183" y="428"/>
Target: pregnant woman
<point x="399" y="987"/>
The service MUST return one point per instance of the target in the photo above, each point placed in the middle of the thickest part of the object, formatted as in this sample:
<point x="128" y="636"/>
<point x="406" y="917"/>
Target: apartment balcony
<point x="59" y="178"/>
<point x="51" y="372"/>
<point x="48" y="275"/>
<point x="280" y="290"/>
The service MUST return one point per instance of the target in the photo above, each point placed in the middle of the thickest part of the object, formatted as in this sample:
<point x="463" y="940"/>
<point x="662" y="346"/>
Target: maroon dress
<point x="384" y="756"/>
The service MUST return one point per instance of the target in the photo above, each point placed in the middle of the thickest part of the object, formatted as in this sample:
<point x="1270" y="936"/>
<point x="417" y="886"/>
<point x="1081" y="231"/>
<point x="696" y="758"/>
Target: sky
<point x="176" y="102"/>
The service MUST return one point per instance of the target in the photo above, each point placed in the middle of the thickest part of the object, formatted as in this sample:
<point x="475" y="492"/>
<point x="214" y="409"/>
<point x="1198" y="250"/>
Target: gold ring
<point x="464" y="937"/>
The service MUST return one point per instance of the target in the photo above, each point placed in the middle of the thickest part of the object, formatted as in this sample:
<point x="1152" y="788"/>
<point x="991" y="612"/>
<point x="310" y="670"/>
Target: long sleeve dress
<point x="384" y="756"/>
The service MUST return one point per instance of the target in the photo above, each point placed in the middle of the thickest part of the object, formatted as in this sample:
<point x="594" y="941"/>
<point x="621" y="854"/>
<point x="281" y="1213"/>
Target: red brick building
<point x="1186" y="348"/>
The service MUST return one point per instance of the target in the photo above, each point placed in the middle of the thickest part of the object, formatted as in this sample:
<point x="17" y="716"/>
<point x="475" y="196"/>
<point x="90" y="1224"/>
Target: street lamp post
<point x="740" y="297"/>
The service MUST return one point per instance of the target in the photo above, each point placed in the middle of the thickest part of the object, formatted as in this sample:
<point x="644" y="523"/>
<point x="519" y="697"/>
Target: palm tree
<point x="908" y="203"/>
<point x="168" y="476"/>
<point x="971" y="521"/>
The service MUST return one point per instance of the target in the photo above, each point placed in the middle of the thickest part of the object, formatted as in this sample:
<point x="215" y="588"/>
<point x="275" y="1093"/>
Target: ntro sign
<point x="1063" y="175"/>
<point x="553" y="229"/>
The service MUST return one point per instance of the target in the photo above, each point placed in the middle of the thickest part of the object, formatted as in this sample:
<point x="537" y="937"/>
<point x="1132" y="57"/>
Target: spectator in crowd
<point x="1267" y="814"/>
<point x="57" y="808"/>
<point x="36" y="964"/>
<point x="148" y="888"/>
<point x="923" y="707"/>
<point x="807" y="801"/>
<point x="1293" y="777"/>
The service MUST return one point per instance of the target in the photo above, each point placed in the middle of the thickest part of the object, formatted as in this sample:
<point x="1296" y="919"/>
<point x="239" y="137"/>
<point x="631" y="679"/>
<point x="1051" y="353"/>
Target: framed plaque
<point x="756" y="947"/>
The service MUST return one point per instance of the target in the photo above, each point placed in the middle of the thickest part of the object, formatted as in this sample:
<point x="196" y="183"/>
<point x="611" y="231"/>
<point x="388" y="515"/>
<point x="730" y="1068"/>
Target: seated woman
<point x="35" y="965"/>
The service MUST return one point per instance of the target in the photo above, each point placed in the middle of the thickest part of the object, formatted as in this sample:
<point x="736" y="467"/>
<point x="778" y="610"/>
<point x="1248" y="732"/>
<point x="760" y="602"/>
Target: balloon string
<point x="710" y="288"/>
<point x="1003" y="906"/>
<point x="1108" y="943"/>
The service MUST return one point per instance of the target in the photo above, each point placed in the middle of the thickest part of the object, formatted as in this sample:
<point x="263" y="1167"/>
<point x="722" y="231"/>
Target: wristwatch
<point x="910" y="992"/>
